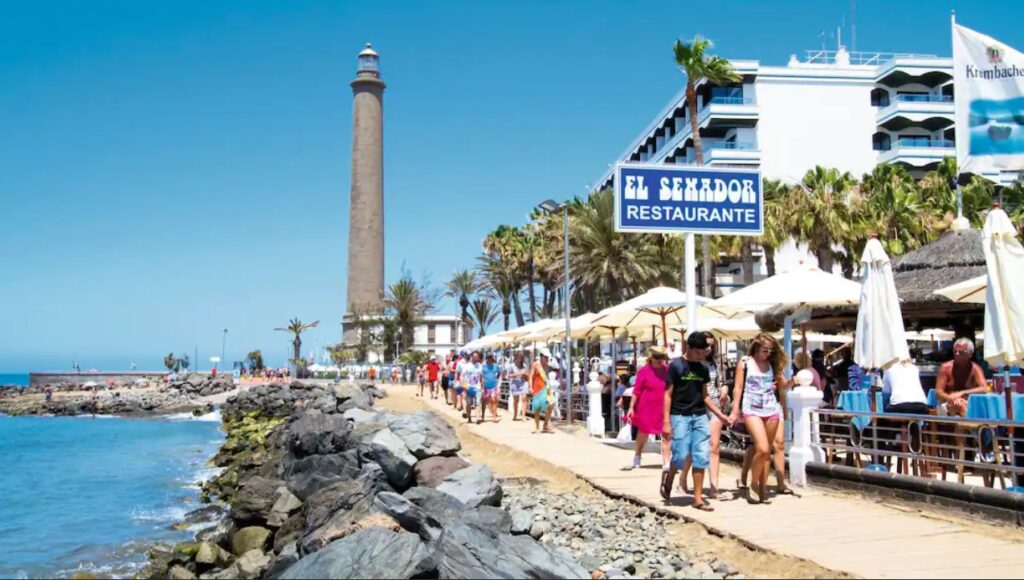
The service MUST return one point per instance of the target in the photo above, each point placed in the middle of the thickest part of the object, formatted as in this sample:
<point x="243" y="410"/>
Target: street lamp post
<point x="550" y="207"/>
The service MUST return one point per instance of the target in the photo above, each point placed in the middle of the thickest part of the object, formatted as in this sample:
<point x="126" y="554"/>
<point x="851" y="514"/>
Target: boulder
<point x="249" y="538"/>
<point x="387" y="450"/>
<point x="289" y="531"/>
<point x="439" y="505"/>
<point x="309" y="475"/>
<point x="426" y="434"/>
<point x="285" y="558"/>
<point x="522" y="521"/>
<point x="432" y="470"/>
<point x="360" y="401"/>
<point x="473" y="486"/>
<point x="254" y="499"/>
<point x="332" y="511"/>
<point x="285" y="504"/>
<point x="408" y="515"/>
<point x="251" y="564"/>
<point x="368" y="553"/>
<point x="489" y="518"/>
<point x="212" y="555"/>
<point x="361" y="416"/>
<point x="316" y="433"/>
<point x="180" y="573"/>
<point x="468" y="552"/>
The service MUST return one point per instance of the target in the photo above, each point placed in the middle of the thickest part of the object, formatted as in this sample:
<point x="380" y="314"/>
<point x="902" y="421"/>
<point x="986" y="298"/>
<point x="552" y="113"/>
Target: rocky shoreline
<point x="318" y="483"/>
<point x="137" y="398"/>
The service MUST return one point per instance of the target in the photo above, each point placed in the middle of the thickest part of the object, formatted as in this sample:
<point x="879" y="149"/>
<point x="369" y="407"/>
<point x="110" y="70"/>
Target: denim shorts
<point x="691" y="438"/>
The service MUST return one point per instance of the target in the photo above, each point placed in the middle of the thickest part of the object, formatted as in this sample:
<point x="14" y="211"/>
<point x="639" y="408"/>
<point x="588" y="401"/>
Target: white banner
<point x="988" y="78"/>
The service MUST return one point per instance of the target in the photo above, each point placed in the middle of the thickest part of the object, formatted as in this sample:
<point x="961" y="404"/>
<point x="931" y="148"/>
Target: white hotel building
<point x="839" y="109"/>
<point x="848" y="110"/>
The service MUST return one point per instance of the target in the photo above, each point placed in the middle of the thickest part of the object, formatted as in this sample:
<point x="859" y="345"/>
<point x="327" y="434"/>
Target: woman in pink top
<point x="647" y="408"/>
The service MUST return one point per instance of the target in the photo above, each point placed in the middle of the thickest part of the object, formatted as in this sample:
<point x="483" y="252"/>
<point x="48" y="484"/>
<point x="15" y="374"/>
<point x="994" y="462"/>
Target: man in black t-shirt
<point x="686" y="419"/>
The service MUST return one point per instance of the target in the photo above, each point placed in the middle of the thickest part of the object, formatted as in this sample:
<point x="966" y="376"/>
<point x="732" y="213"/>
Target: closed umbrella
<point x="881" y="337"/>
<point x="1004" y="296"/>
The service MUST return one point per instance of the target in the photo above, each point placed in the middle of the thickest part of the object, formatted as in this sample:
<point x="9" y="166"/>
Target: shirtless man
<point x="959" y="378"/>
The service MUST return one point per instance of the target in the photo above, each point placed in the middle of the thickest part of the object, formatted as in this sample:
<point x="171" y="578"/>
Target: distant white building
<point x="848" y="110"/>
<point x="438" y="334"/>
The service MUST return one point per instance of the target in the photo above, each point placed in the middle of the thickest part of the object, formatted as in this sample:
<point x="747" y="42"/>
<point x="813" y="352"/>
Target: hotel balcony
<point x="719" y="114"/>
<point x="732" y="153"/>
<point x="930" y="111"/>
<point x="917" y="151"/>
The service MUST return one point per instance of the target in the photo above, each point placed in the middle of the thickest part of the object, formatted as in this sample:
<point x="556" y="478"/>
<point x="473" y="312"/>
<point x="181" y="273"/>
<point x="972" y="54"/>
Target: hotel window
<point x="431" y="334"/>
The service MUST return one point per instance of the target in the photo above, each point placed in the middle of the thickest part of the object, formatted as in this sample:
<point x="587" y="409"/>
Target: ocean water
<point x="92" y="494"/>
<point x="19" y="379"/>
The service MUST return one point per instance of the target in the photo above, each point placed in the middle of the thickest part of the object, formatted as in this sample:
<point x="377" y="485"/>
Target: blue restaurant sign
<point x="674" y="199"/>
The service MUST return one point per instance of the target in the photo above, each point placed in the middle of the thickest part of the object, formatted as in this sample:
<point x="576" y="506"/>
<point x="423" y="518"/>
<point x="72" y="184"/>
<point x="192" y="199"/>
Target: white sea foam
<point x="169" y="515"/>
<point x="212" y="416"/>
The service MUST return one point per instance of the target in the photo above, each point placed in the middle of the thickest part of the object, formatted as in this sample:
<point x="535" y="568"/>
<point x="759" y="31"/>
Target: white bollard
<point x="801" y="400"/>
<point x="595" y="418"/>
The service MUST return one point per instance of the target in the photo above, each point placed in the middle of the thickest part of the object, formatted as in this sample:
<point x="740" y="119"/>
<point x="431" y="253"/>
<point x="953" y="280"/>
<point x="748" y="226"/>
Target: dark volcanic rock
<point x="369" y="553"/>
<point x="332" y="511"/>
<point x="254" y="499"/>
<point x="310" y="474"/>
<point x="388" y="451"/>
<point x="426" y="434"/>
<point x="314" y="433"/>
<point x="439" y="505"/>
<point x="466" y="551"/>
<point x="473" y="486"/>
<point x="432" y="470"/>
<point x="408" y="515"/>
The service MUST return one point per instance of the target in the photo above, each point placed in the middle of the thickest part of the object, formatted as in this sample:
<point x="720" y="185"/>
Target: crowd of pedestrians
<point x="683" y="399"/>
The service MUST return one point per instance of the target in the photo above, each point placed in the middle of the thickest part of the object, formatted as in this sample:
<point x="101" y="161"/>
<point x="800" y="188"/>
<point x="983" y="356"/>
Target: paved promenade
<point x="849" y="534"/>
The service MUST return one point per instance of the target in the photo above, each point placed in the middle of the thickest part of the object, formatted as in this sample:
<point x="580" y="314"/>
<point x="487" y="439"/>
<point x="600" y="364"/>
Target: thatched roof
<point x="953" y="258"/>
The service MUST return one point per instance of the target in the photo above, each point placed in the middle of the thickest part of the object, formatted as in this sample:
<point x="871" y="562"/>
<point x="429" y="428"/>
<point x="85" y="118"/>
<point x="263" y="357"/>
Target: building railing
<point x="923" y="445"/>
<point x="862" y="58"/>
<point x="722" y="100"/>
<point x="924" y="142"/>
<point x="925" y="98"/>
<point x="741" y="145"/>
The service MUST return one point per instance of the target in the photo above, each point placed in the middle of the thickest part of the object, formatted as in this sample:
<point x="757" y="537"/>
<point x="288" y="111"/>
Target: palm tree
<point x="407" y="304"/>
<point x="824" y="209"/>
<point x="609" y="266"/>
<point x="504" y="266"/>
<point x="297" y="327"/>
<point x="894" y="210"/>
<point x="778" y="220"/>
<point x="254" y="360"/>
<point x="693" y="59"/>
<point x="463" y="284"/>
<point x="484" y="313"/>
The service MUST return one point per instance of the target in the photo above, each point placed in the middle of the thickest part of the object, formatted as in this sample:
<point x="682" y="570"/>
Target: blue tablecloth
<point x="1018" y="407"/>
<point x="987" y="406"/>
<point x="855" y="401"/>
<point x="933" y="399"/>
<point x="881" y="401"/>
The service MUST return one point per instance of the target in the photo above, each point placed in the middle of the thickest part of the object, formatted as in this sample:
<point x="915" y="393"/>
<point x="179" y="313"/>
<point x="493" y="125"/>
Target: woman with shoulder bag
<point x="759" y="380"/>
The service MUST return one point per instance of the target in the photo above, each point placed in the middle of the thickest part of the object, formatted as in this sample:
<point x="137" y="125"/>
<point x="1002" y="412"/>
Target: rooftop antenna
<point x="853" y="25"/>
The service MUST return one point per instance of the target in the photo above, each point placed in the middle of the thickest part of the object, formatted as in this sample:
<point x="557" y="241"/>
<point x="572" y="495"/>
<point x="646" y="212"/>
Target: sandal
<point x="666" y="485"/>
<point x="740" y="486"/>
<point x="703" y="507"/>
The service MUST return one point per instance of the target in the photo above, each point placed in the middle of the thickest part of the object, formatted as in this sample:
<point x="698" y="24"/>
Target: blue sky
<point x="171" y="169"/>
